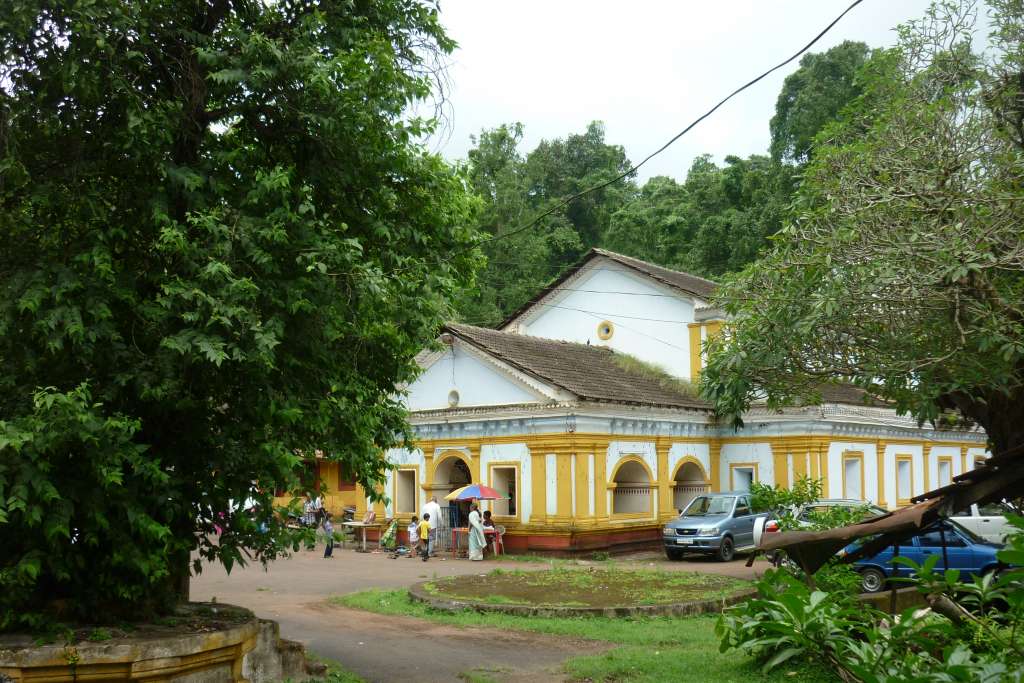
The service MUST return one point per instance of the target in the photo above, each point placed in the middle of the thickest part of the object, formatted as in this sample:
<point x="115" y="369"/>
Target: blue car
<point x="965" y="551"/>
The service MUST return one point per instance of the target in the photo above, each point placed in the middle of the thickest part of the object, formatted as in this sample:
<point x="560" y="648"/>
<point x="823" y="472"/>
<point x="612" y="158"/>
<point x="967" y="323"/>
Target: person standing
<point x="476" y="534"/>
<point x="425" y="536"/>
<point x="434" y="510"/>
<point x="308" y="516"/>
<point x="329" y="534"/>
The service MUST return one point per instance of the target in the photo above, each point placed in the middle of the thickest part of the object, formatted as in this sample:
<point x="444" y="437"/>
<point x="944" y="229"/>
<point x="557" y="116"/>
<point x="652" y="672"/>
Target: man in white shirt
<point x="434" y="510"/>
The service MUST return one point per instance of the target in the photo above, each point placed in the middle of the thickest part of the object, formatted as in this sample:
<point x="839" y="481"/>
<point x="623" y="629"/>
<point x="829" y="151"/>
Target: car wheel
<point x="871" y="580"/>
<point x="674" y="554"/>
<point x="725" y="551"/>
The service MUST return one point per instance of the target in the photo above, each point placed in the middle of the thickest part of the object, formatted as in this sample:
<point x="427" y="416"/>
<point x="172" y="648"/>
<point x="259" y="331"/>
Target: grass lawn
<point x="605" y="586"/>
<point x="650" y="649"/>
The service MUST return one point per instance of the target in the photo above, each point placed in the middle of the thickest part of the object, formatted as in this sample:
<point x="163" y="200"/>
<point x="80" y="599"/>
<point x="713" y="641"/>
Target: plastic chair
<point x="498" y="542"/>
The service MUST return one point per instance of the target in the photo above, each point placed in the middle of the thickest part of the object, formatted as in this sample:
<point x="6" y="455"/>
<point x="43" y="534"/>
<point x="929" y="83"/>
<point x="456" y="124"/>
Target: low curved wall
<point x="419" y="593"/>
<point x="247" y="650"/>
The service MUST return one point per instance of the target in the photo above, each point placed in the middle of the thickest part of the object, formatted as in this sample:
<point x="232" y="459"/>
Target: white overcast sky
<point x="645" y="68"/>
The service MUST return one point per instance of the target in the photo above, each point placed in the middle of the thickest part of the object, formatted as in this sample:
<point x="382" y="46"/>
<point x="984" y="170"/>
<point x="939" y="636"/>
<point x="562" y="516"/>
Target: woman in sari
<point x="476" y="534"/>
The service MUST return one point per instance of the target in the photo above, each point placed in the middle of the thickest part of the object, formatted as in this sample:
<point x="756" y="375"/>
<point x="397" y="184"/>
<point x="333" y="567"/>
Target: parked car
<point x="966" y="551"/>
<point x="802" y="513"/>
<point x="718" y="524"/>
<point x="987" y="521"/>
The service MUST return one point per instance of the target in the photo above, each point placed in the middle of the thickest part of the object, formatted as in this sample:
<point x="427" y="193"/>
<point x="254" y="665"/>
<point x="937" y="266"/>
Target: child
<point x="425" y="536"/>
<point x="329" y="533"/>
<point x="414" y="535"/>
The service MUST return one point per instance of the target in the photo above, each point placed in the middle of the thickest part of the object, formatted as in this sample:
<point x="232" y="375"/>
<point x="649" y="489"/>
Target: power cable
<point x="633" y="169"/>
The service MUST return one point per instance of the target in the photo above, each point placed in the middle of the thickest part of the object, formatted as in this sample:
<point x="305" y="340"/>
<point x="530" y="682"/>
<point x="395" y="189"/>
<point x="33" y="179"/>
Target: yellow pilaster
<point x="563" y="470"/>
<point x="474" y="465"/>
<point x="582" y="460"/>
<point x="821" y="453"/>
<point x="665" y="510"/>
<point x="695" y="358"/>
<point x="880" y="471"/>
<point x="600" y="449"/>
<point x="715" y="458"/>
<point x="540" y="489"/>
<point x="926" y="452"/>
<point x="780" y="451"/>
<point x="963" y="459"/>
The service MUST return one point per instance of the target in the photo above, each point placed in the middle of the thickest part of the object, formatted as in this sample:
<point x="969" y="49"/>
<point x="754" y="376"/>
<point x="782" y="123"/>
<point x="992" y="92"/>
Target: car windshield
<point x="709" y="505"/>
<point x="964" y="531"/>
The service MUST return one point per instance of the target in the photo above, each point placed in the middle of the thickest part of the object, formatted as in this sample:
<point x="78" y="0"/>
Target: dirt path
<point x="390" y="648"/>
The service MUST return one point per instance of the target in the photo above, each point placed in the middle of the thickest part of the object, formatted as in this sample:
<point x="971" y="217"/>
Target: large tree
<point x="515" y="189"/>
<point x="222" y="249"/>
<point x="812" y="97"/>
<point x="716" y="222"/>
<point x="904" y="271"/>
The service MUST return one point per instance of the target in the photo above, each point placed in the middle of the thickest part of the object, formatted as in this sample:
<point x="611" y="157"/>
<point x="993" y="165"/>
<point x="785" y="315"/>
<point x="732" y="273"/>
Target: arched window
<point x="689" y="483"/>
<point x="632" y="489"/>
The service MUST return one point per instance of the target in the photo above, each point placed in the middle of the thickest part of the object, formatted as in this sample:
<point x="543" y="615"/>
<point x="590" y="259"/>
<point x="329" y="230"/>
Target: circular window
<point x="453" y="398"/>
<point x="605" y="329"/>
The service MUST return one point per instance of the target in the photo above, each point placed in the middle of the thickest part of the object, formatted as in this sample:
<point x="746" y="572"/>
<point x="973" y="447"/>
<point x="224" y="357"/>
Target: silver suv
<point x="718" y="524"/>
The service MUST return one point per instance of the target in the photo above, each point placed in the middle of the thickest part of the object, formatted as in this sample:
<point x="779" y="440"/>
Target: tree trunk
<point x="1001" y="415"/>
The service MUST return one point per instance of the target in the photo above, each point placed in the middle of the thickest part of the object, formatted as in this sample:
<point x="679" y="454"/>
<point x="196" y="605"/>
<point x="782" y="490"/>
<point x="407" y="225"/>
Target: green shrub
<point x="99" y="635"/>
<point x="975" y="632"/>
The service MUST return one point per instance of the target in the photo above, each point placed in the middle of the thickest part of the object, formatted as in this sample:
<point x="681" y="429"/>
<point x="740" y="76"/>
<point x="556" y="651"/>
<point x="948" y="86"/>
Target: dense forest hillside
<point x="714" y="221"/>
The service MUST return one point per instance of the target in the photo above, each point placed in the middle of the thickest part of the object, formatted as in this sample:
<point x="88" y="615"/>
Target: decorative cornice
<point x="619" y="420"/>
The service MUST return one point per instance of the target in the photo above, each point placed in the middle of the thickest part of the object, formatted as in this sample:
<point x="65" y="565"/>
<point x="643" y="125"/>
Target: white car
<point x="987" y="521"/>
<point x="802" y="514"/>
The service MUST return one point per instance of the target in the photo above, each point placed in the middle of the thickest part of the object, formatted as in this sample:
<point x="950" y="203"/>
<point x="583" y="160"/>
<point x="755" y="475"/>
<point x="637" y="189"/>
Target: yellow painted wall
<point x="576" y="448"/>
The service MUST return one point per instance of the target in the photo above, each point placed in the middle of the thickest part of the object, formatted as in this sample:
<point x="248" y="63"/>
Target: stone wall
<point x="242" y="649"/>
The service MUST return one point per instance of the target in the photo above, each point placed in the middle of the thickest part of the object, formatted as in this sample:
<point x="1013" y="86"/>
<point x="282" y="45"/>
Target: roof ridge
<point x="616" y="255"/>
<point x="588" y="371"/>
<point x="532" y="337"/>
<point x="687" y="283"/>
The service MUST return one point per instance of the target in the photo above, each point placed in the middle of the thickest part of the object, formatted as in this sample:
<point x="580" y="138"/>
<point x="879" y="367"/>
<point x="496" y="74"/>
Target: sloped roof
<point x="684" y="282"/>
<point x="849" y="394"/>
<point x="678" y="280"/>
<point x="590" y="372"/>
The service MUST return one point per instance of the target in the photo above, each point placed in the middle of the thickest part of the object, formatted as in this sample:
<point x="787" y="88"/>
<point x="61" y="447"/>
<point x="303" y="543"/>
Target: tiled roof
<point x="683" y="282"/>
<point x="590" y="372"/>
<point x="848" y="394"/>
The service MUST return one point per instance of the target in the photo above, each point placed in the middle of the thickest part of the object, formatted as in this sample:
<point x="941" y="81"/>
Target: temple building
<point x="581" y="408"/>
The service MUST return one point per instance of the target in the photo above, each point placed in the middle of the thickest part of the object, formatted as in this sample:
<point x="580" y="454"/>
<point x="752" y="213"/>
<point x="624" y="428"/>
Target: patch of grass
<point x="537" y="559"/>
<point x="336" y="673"/>
<point x="651" y="648"/>
<point x="697" y="660"/>
<point x="609" y="585"/>
<point x="478" y="676"/>
<point x="500" y="600"/>
<point x="635" y="366"/>
<point x="98" y="635"/>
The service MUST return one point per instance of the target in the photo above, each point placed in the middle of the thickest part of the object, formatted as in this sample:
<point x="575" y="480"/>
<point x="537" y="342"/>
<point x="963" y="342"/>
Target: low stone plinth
<point x="905" y="598"/>
<point x="232" y="645"/>
<point x="419" y="593"/>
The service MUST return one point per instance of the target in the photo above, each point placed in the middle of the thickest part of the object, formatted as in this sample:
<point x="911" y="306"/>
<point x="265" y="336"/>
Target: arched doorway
<point x="452" y="473"/>
<point x="632" y="489"/>
<point x="688" y="483"/>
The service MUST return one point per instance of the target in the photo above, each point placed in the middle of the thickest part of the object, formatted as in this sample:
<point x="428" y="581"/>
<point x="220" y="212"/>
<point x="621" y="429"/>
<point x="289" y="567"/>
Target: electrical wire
<point x="633" y="169"/>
